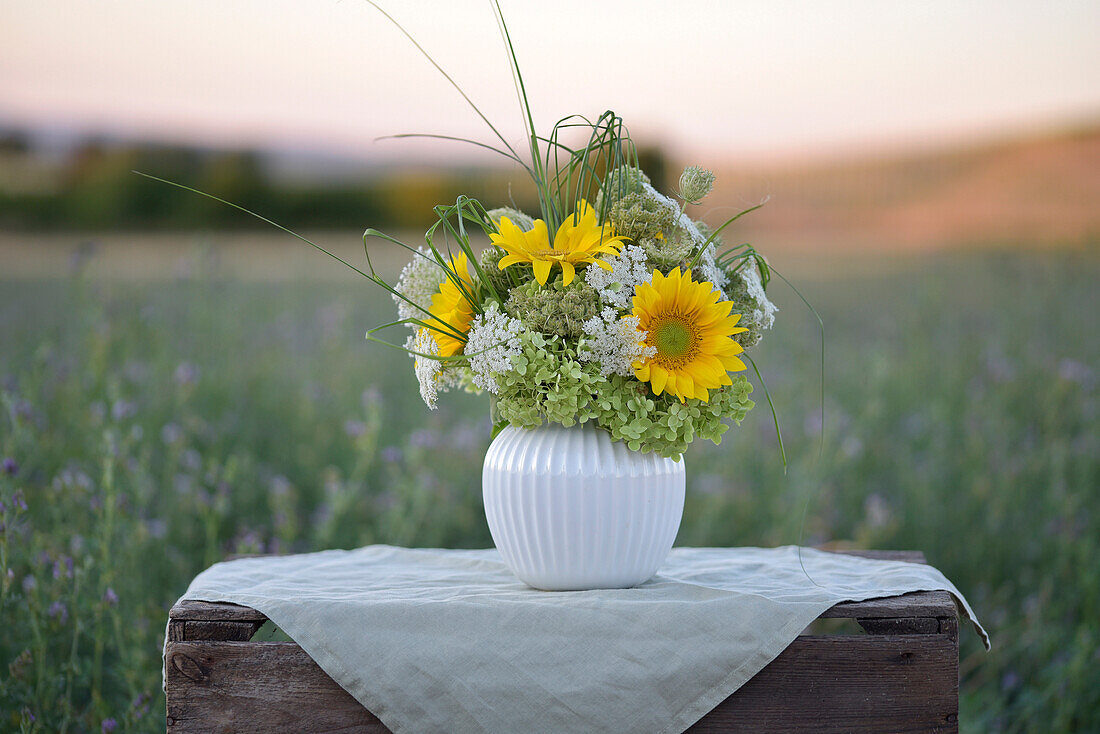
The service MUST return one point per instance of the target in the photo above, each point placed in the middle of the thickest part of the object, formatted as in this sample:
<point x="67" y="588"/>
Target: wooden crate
<point x="899" y="675"/>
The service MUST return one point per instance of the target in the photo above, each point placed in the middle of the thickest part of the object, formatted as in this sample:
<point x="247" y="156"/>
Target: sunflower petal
<point x="542" y="270"/>
<point x="568" y="272"/>
<point x="658" y="378"/>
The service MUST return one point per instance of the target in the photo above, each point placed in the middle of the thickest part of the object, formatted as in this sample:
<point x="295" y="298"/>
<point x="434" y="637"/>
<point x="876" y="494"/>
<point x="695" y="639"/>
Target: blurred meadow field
<point x="161" y="413"/>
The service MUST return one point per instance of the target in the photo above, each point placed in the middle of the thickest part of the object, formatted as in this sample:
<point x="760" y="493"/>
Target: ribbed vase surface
<point x="571" y="509"/>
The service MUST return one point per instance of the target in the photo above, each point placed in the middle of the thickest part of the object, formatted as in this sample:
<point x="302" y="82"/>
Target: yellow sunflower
<point x="578" y="242"/>
<point x="450" y="310"/>
<point x="691" y="331"/>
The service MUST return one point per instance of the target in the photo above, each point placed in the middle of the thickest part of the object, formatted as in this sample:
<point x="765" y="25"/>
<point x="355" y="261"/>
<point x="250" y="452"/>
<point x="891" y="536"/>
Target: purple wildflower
<point x="371" y="396"/>
<point x="424" y="438"/>
<point x="355" y="429"/>
<point x="123" y="409"/>
<point x="23" y="409"/>
<point x="108" y="725"/>
<point x="59" y="611"/>
<point x="63" y="567"/>
<point x="1074" y="371"/>
<point x="187" y="374"/>
<point x="391" y="454"/>
<point x="171" y="433"/>
<point x="19" y="500"/>
<point x="10" y="467"/>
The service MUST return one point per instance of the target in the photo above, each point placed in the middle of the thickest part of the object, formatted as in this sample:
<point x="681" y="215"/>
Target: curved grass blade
<point x="257" y="216"/>
<point x="775" y="418"/>
<point x="457" y="139"/>
<point x="715" y="233"/>
<point x="446" y="76"/>
<point x="821" y="330"/>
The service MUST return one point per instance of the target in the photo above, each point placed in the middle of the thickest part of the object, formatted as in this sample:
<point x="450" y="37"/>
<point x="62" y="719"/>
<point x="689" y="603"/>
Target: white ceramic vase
<point x="570" y="509"/>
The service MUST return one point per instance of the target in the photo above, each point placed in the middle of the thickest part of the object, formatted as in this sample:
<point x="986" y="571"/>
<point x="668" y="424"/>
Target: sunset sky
<point x="722" y="79"/>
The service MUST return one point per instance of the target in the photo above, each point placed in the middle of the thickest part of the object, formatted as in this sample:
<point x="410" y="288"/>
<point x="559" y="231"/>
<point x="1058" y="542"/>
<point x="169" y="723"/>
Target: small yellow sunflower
<point x="451" y="310"/>
<point x="691" y="331"/>
<point x="578" y="242"/>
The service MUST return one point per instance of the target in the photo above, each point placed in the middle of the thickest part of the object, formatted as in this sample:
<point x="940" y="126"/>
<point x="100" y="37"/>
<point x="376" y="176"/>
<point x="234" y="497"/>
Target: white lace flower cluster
<point x="707" y="266"/>
<point x="429" y="372"/>
<point x="765" y="314"/>
<point x="493" y="340"/>
<point x="615" y="343"/>
<point x="419" y="281"/>
<point x="616" y="286"/>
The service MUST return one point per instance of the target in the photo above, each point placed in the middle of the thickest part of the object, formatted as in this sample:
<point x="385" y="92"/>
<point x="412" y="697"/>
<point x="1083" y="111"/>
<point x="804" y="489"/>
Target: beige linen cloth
<point x="450" y="641"/>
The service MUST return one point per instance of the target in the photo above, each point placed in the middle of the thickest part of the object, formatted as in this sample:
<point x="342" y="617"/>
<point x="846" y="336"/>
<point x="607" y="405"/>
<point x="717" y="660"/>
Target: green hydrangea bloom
<point x="548" y="384"/>
<point x="554" y="308"/>
<point x="663" y="424"/>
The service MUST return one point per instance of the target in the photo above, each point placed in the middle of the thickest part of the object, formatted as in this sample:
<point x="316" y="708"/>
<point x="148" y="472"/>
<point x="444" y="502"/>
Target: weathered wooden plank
<point x="896" y="683"/>
<point x="181" y="630"/>
<point x="256" y="688"/>
<point x="950" y="626"/>
<point x="207" y="611"/>
<point x="220" y="631"/>
<point x="900" y="626"/>
<point x="916" y="604"/>
<point x="904" y="683"/>
<point x="884" y="555"/>
<point x="175" y="630"/>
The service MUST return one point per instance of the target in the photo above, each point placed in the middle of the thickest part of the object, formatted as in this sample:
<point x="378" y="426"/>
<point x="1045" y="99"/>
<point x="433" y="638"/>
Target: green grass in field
<point x="152" y="429"/>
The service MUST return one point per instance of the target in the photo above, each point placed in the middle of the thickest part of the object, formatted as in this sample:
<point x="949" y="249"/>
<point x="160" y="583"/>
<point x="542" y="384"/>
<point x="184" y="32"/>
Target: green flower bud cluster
<point x="673" y="250"/>
<point x="620" y="182"/>
<point x="515" y="216"/>
<point x="643" y="214"/>
<point x="663" y="424"/>
<point x="554" y="308"/>
<point x="489" y="260"/>
<point x="695" y="184"/>
<point x="548" y="384"/>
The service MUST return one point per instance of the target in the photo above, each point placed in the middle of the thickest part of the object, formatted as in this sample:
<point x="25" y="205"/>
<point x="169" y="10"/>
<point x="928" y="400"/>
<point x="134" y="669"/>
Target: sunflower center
<point x="546" y="253"/>
<point x="675" y="337"/>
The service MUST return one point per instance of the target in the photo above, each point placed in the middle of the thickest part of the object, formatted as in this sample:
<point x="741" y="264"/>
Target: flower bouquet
<point x="625" y="313"/>
<point x="609" y="330"/>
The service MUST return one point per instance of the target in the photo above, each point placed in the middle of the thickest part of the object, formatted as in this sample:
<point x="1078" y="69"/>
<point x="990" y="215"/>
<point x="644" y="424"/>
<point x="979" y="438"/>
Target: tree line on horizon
<point x="94" y="187"/>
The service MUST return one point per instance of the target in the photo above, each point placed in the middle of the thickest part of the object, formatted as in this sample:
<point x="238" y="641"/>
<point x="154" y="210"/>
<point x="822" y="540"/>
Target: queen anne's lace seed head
<point x="695" y="183"/>
<point x="615" y="342"/>
<point x="493" y="340"/>
<point x="418" y="282"/>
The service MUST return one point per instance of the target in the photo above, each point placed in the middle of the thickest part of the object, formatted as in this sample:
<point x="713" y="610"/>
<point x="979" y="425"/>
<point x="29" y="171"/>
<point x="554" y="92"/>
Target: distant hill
<point x="1043" y="190"/>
